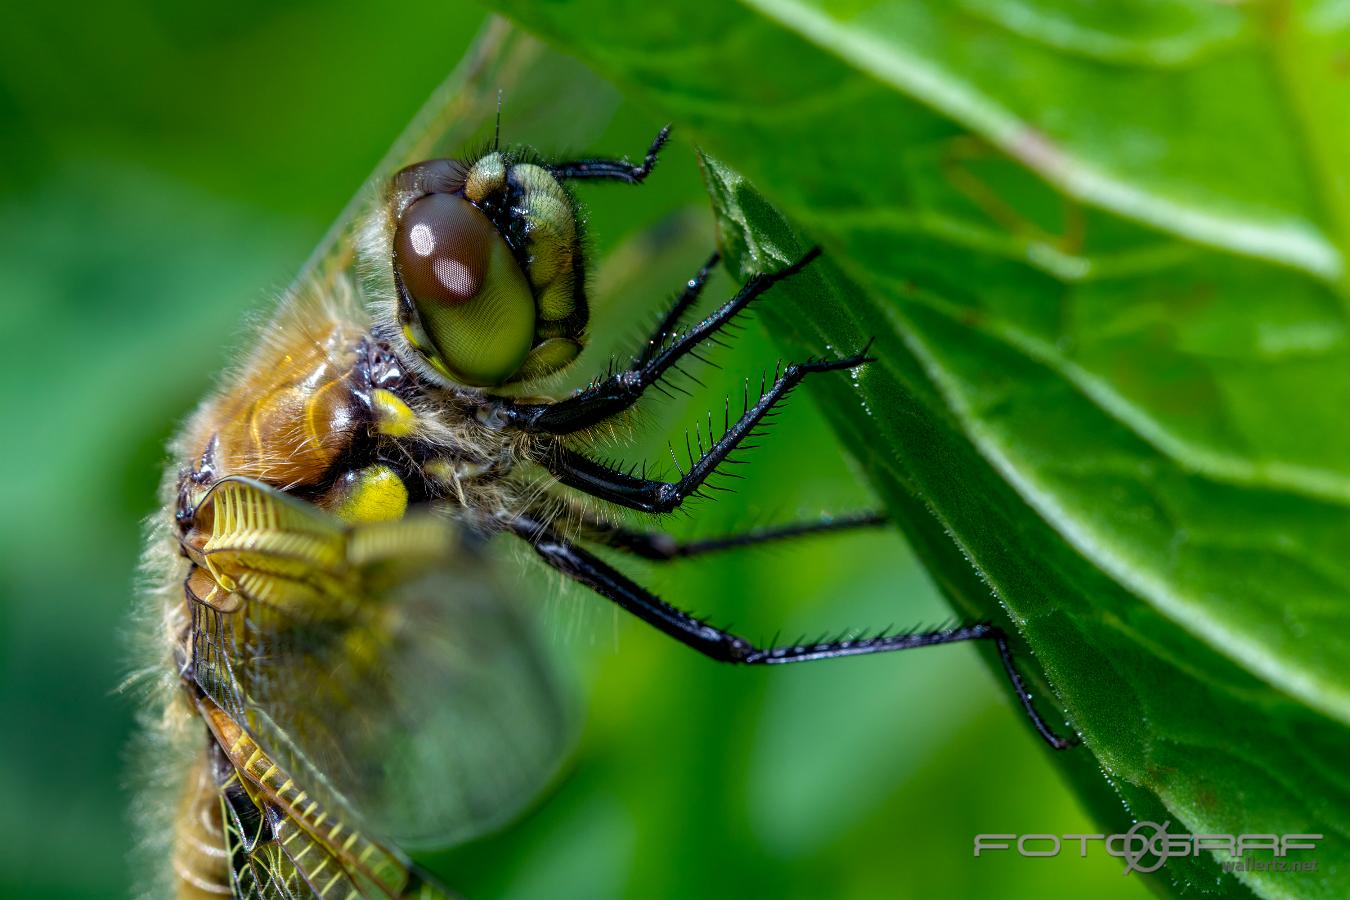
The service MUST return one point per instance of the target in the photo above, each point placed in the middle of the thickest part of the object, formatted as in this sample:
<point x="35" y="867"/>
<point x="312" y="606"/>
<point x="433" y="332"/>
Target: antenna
<point x="497" y="134"/>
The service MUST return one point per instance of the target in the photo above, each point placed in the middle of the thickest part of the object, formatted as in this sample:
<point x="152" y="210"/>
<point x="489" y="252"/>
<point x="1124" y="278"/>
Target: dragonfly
<point x="349" y="676"/>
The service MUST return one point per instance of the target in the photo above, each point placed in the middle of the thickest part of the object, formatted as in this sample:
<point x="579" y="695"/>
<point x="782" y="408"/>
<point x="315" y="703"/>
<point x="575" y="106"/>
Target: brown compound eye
<point x="473" y="300"/>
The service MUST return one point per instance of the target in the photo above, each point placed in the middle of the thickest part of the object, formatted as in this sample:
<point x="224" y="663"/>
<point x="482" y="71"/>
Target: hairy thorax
<point x="333" y="417"/>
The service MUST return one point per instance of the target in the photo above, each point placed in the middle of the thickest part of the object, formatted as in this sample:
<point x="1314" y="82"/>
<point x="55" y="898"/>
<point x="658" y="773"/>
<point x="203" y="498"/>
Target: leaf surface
<point x="1102" y="251"/>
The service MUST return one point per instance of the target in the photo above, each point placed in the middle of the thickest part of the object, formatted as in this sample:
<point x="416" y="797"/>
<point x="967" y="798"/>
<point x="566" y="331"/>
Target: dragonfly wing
<point x="293" y="864"/>
<point x="473" y="726"/>
<point x="282" y="843"/>
<point x="266" y="873"/>
<point x="390" y="680"/>
<point x="323" y="871"/>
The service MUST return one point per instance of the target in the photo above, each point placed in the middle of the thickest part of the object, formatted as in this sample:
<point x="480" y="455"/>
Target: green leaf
<point x="1102" y="250"/>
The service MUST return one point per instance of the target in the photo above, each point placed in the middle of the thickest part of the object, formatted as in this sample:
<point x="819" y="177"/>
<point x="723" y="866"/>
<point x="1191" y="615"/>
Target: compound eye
<point x="472" y="298"/>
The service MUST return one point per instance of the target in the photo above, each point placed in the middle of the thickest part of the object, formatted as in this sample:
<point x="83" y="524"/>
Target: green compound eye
<point x="472" y="298"/>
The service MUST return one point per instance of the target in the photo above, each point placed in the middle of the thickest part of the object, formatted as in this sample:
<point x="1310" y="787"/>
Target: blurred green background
<point x="166" y="171"/>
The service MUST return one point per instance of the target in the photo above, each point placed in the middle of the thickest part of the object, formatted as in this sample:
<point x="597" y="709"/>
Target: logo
<point x="1148" y="845"/>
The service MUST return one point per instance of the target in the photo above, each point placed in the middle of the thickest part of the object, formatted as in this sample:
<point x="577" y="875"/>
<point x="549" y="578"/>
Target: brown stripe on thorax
<point x="286" y="424"/>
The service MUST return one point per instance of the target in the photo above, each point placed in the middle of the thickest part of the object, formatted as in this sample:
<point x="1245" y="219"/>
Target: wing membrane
<point x="284" y="843"/>
<point x="263" y="872"/>
<point x="394" y="683"/>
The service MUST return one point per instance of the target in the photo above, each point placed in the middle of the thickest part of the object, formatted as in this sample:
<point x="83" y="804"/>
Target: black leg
<point x="671" y="320"/>
<point x="723" y="646"/>
<point x="662" y="547"/>
<point x="621" y="390"/>
<point x="653" y="496"/>
<point x="612" y="169"/>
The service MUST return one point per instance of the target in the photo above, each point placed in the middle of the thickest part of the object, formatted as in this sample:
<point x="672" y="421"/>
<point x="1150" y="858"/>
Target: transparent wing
<point x="264" y="872"/>
<point x="282" y="844"/>
<point x="379" y="667"/>
<point x="322" y="872"/>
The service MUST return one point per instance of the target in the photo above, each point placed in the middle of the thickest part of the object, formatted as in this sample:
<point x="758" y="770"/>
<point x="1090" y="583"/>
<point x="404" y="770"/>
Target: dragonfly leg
<point x="620" y="390"/>
<point x="661" y="547"/>
<point x="671" y="320"/>
<point x="723" y="646"/>
<point x="612" y="169"/>
<point x="654" y="496"/>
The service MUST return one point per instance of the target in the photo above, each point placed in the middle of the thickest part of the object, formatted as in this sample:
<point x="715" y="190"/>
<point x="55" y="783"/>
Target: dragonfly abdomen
<point x="201" y="866"/>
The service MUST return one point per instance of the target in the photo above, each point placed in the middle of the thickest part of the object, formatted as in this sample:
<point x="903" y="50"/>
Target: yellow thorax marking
<point x="372" y="494"/>
<point x="393" y="417"/>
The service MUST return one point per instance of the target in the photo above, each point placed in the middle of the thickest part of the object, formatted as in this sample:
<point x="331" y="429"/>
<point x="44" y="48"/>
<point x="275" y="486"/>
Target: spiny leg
<point x="671" y="320"/>
<point x="661" y="547"/>
<point x="621" y="390"/>
<point x="655" y="496"/>
<point x="723" y="646"/>
<point x="612" y="169"/>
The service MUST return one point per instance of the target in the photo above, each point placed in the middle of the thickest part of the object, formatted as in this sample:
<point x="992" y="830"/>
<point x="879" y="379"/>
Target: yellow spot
<point x="393" y="417"/>
<point x="372" y="494"/>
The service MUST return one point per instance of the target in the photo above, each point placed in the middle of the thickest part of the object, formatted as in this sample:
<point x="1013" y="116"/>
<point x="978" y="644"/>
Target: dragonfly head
<point x="488" y="269"/>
